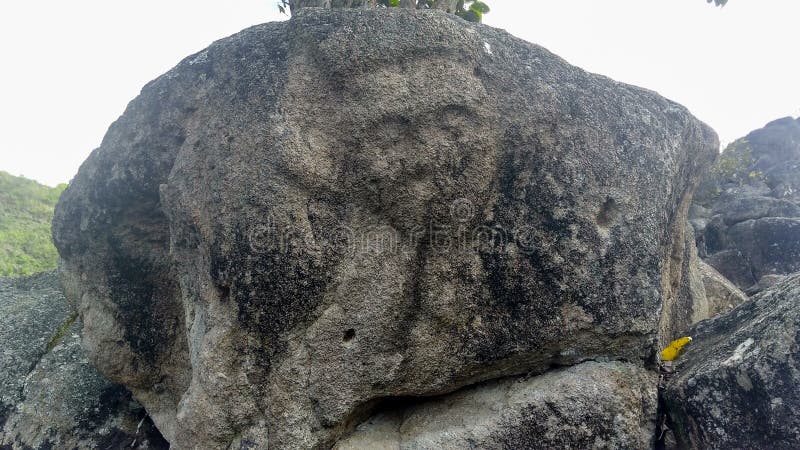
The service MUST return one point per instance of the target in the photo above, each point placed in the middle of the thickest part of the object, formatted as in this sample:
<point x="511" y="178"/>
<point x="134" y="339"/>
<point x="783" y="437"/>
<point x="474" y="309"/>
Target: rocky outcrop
<point x="721" y="295"/>
<point x="312" y="218"/>
<point x="748" y="212"/>
<point x="51" y="396"/>
<point x="591" y="405"/>
<point x="736" y="386"/>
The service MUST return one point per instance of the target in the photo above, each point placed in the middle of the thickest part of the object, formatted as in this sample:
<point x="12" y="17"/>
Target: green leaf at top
<point x="479" y="7"/>
<point x="471" y="15"/>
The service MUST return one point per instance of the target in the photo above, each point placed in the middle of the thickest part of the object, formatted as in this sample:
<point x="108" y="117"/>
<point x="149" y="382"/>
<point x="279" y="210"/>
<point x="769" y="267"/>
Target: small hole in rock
<point x="608" y="213"/>
<point x="224" y="293"/>
<point x="349" y="334"/>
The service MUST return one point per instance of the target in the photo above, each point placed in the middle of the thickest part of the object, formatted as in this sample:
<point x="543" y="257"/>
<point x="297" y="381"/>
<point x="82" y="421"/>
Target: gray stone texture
<point x="311" y="218"/>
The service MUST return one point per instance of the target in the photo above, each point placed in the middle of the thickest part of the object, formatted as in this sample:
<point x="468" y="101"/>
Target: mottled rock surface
<point x="687" y="287"/>
<point x="736" y="385"/>
<point x="721" y="295"/>
<point x="314" y="217"/>
<point x="591" y="405"/>
<point x="31" y="310"/>
<point x="52" y="398"/>
<point x="748" y="208"/>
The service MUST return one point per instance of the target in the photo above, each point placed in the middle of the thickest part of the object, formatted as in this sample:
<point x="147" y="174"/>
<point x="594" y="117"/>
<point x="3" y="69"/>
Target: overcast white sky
<point x="70" y="67"/>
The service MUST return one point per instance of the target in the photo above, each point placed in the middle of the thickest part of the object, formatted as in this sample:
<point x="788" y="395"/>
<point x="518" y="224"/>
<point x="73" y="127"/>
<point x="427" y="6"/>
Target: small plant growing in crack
<point x="61" y="331"/>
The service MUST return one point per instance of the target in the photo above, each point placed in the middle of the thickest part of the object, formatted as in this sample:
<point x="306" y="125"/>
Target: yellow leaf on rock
<point x="674" y="349"/>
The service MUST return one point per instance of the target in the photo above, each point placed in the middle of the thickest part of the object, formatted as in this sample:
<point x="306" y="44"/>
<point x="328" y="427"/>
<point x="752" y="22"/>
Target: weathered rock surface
<point x="51" y="396"/>
<point x="701" y="292"/>
<point x="32" y="310"/>
<point x="688" y="286"/>
<point x="721" y="295"/>
<point x="748" y="217"/>
<point x="591" y="405"/>
<point x="310" y="218"/>
<point x="765" y="282"/>
<point x="736" y="385"/>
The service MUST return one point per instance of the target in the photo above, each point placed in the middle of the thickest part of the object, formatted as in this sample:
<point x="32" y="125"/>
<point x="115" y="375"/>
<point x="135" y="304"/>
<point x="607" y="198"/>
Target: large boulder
<point x="772" y="244"/>
<point x="736" y="385"/>
<point x="311" y="218"/>
<point x="748" y="208"/>
<point x="52" y="397"/>
<point x="776" y="152"/>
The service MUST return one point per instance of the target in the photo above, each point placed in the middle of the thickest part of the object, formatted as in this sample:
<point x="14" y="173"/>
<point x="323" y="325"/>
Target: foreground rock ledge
<point x="50" y="395"/>
<point x="592" y="405"/>
<point x="737" y="385"/>
<point x="311" y="217"/>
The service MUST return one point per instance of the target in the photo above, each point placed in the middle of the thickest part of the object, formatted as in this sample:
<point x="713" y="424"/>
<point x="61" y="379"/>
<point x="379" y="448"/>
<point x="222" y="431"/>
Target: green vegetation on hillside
<point x="26" y="211"/>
